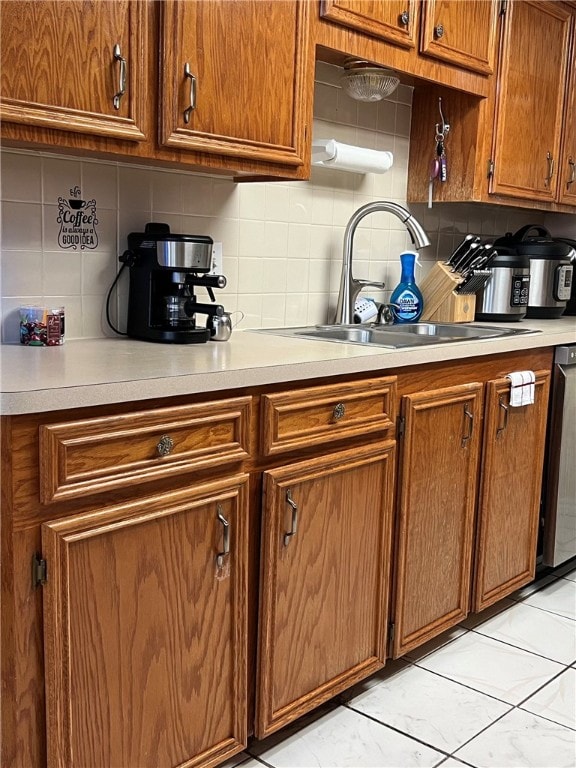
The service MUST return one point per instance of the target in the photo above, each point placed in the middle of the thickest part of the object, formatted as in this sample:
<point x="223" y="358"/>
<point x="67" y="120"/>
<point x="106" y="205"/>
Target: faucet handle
<point x="369" y="284"/>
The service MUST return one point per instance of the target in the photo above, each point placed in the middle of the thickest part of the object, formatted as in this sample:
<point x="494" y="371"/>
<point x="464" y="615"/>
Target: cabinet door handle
<point x="121" y="78"/>
<point x="294" y="523"/>
<point x="404" y="18"/>
<point x="470" y="421"/>
<point x="504" y="422"/>
<point x="188" y="110"/>
<point x="548" y="178"/>
<point x="438" y="31"/>
<point x="221" y="556"/>
<point x="572" y="178"/>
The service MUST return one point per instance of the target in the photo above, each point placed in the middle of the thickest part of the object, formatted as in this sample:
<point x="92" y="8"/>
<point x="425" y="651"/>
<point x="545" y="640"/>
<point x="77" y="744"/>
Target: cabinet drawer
<point x="292" y="420"/>
<point x="93" y="455"/>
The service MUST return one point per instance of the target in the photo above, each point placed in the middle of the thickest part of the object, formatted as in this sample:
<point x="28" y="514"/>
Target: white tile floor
<point x="498" y="691"/>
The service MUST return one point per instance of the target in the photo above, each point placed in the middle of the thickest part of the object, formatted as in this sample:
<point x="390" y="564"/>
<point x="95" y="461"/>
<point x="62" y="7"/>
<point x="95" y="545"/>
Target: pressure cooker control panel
<point x="563" y="282"/>
<point x="519" y="290"/>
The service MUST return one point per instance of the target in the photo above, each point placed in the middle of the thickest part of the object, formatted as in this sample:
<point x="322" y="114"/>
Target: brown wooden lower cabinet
<point x="145" y="631"/>
<point x="437" y="485"/>
<point x="468" y="504"/>
<point x="164" y="592"/>
<point x="509" y="504"/>
<point x="326" y="530"/>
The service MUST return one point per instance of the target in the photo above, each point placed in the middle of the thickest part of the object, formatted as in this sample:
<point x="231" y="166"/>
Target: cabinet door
<point x="446" y="28"/>
<point x="233" y="78"/>
<point x="567" y="169"/>
<point x="437" y="493"/>
<point x="530" y="102"/>
<point x="145" y="631"/>
<point x="324" y="579"/>
<point x="511" y="479"/>
<point x="65" y="63"/>
<point x="395" y="21"/>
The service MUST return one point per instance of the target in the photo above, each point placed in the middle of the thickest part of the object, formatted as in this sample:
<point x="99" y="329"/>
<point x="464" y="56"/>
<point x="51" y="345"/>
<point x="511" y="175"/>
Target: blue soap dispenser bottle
<point x="407" y="301"/>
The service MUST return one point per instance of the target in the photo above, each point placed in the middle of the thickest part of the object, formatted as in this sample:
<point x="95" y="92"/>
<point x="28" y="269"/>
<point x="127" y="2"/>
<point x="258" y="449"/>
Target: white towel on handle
<point x="521" y="387"/>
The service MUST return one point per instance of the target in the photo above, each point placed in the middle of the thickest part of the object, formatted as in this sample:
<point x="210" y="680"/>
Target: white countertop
<point x="102" y="371"/>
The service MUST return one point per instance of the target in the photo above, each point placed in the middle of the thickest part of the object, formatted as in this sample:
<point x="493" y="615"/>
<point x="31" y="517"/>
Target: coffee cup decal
<point x="75" y="201"/>
<point x="78" y="220"/>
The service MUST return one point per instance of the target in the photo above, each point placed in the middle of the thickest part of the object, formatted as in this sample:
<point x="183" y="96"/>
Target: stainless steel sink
<point x="397" y="336"/>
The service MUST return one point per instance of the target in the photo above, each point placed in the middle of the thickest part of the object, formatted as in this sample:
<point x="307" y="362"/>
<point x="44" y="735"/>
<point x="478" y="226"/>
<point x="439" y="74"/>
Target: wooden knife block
<point x="441" y="303"/>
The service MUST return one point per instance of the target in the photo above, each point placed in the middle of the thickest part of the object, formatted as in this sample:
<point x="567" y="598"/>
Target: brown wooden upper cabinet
<point x="395" y="21"/>
<point x="245" y="104"/>
<point x="461" y="33"/>
<point x="74" y="66"/>
<point x="530" y="101"/>
<point x="567" y="167"/>
<point x="444" y="29"/>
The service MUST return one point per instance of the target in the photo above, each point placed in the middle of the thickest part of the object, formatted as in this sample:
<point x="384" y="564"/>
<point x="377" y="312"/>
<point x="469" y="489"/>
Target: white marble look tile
<point x="242" y="759"/>
<point x="535" y="630"/>
<point x="451" y="762"/>
<point x="492" y="667"/>
<point x="435" y="643"/>
<point x="534" y="586"/>
<point x="426" y="706"/>
<point x="558" y="597"/>
<point x="571" y="575"/>
<point x="345" y="739"/>
<point x="521" y="739"/>
<point x="557" y="700"/>
<point x="475" y="619"/>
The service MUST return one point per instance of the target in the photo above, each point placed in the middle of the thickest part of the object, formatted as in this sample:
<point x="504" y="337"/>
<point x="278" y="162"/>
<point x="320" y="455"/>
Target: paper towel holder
<point x="329" y="153"/>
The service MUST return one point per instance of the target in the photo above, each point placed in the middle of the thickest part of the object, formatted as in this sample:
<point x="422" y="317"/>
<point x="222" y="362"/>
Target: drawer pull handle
<point x="504" y="423"/>
<point x="470" y="419"/>
<point x="121" y="78"/>
<point x="165" y="445"/>
<point x="339" y="411"/>
<point x="294" y="523"/>
<point x="220" y="557"/>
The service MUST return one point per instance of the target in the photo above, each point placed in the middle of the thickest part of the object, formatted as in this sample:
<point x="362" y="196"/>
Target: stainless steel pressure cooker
<point x="504" y="296"/>
<point x="551" y="269"/>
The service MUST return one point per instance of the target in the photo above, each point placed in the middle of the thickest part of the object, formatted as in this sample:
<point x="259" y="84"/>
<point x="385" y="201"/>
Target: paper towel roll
<point x="330" y="153"/>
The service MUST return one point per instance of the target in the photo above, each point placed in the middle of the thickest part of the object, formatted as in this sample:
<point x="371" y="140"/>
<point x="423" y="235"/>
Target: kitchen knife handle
<point x="220" y="557"/>
<point x="192" y="105"/>
<point x="121" y="78"/>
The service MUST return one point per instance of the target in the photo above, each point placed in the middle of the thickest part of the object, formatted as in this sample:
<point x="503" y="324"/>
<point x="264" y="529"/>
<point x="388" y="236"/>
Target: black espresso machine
<point x="165" y="270"/>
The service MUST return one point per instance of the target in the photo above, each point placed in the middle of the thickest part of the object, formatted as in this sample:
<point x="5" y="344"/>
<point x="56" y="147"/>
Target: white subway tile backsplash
<point x="135" y="188"/>
<point x="282" y="241"/>
<point x="60" y="177"/>
<point x="21" y="177"/>
<point x="62" y="273"/>
<point x="98" y="272"/>
<point x="100" y="183"/>
<point x="21" y="226"/>
<point x="21" y="273"/>
<point x="166" y="191"/>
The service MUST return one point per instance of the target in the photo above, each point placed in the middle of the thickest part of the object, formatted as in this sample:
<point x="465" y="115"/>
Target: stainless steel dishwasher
<point x="559" y="488"/>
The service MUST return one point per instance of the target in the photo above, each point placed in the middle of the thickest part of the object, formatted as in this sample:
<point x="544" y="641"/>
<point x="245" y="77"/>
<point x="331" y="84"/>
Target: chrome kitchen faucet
<point x="351" y="287"/>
